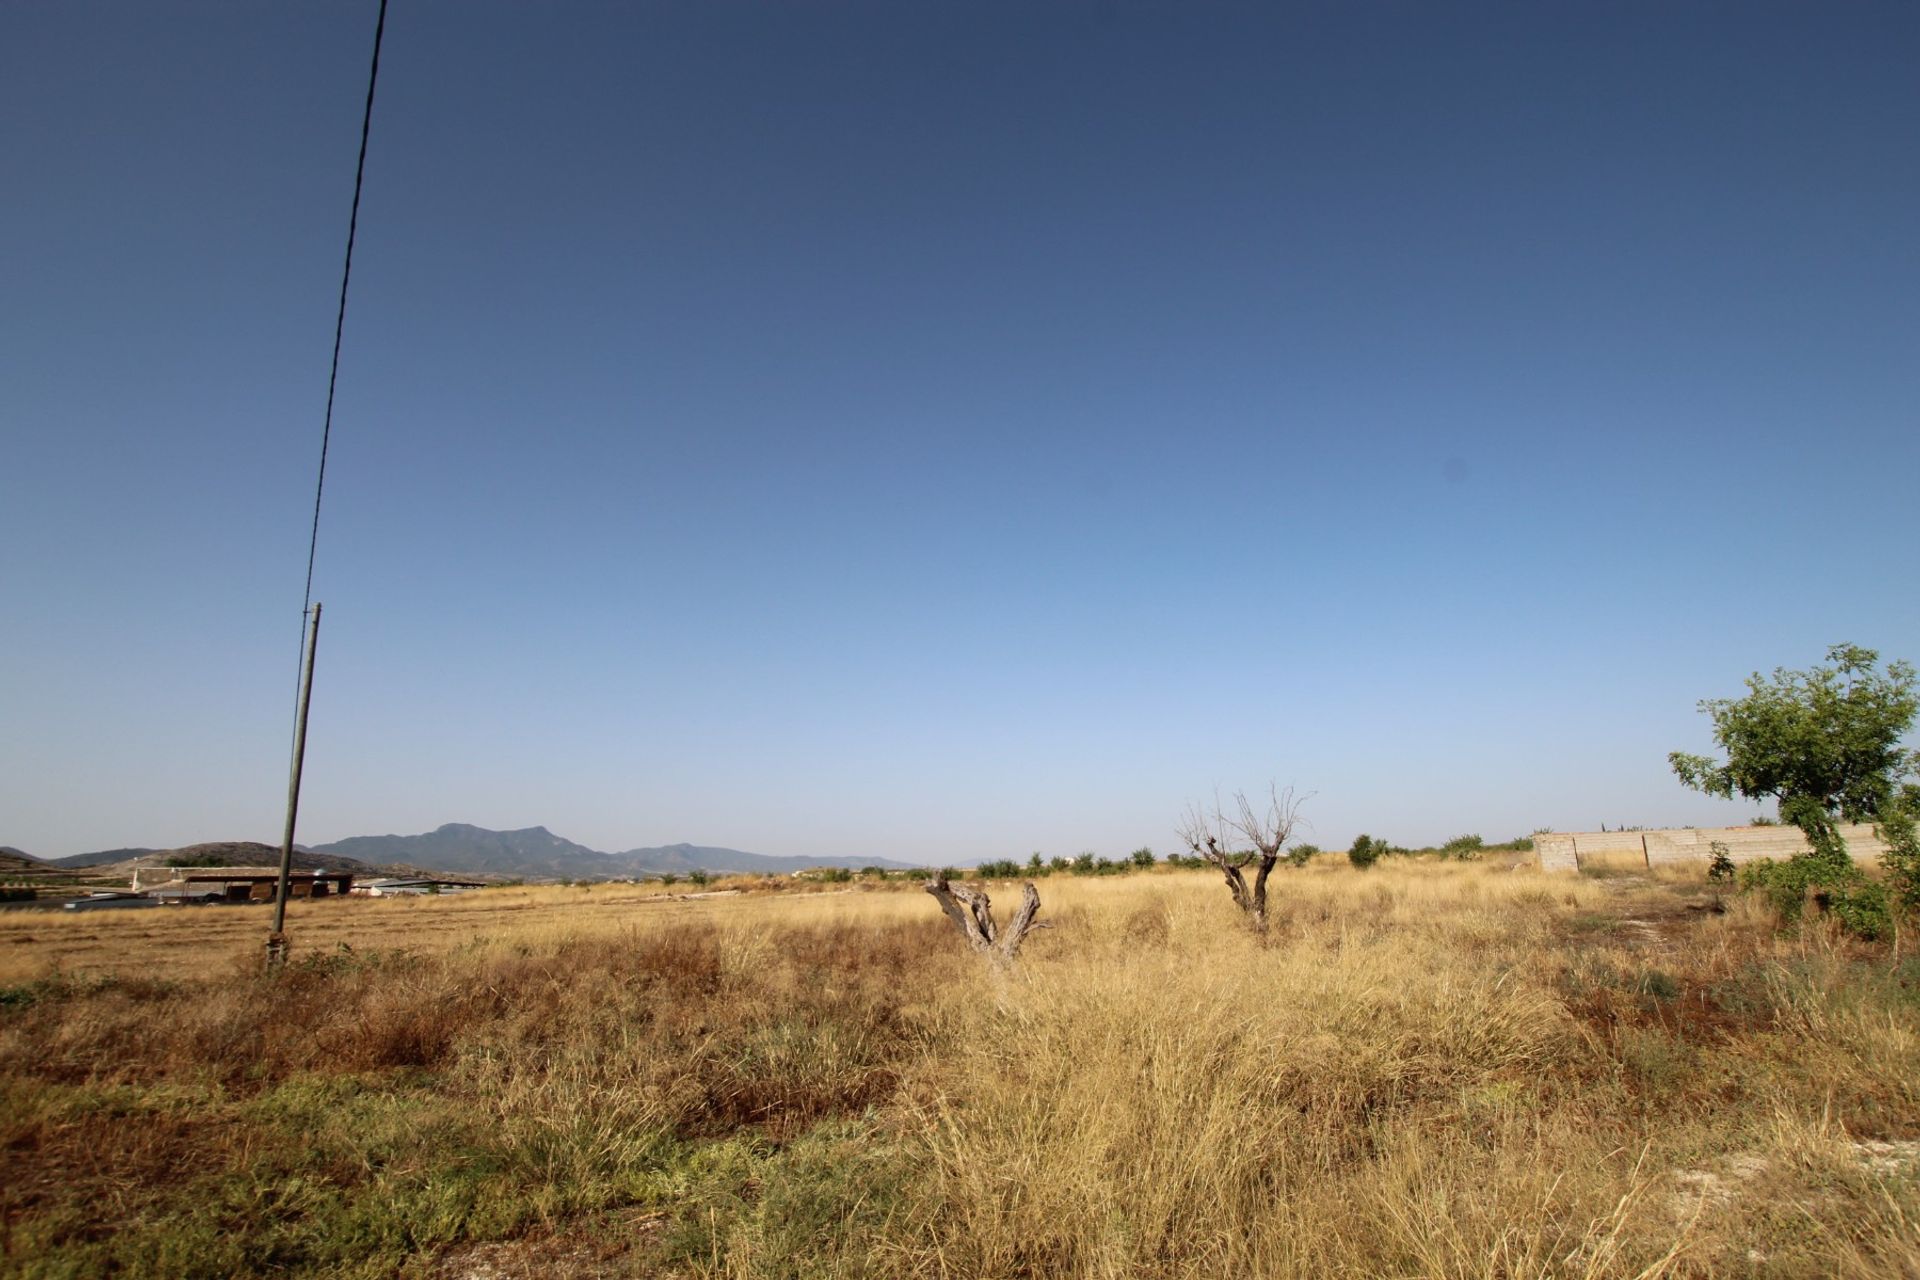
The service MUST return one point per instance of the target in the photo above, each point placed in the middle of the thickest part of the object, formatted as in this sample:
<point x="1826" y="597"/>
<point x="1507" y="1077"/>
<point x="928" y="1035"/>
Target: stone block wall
<point x="1672" y="846"/>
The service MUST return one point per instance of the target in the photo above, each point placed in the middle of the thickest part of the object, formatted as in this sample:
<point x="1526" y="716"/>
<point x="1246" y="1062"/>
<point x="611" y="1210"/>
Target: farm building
<point x="402" y="887"/>
<point x="180" y="893"/>
<point x="258" y="884"/>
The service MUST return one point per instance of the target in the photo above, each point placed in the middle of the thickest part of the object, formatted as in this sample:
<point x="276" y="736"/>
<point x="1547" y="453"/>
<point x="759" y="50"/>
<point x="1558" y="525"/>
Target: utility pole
<point x="277" y="940"/>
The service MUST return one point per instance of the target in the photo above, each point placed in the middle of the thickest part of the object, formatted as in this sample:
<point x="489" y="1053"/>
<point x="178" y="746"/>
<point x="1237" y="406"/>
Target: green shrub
<point x="1862" y="908"/>
<point x="1782" y="884"/>
<point x="1141" y="857"/>
<point x="999" y="869"/>
<point x="1721" y="869"/>
<point x="1301" y="854"/>
<point x="1366" y="851"/>
<point x="1464" y="848"/>
<point x="1658" y="984"/>
<point x="197" y="860"/>
<point x="1902" y="858"/>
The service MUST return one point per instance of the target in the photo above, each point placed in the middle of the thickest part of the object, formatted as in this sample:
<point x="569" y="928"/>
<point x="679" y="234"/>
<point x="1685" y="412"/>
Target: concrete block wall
<point x="1555" y="851"/>
<point x="1672" y="846"/>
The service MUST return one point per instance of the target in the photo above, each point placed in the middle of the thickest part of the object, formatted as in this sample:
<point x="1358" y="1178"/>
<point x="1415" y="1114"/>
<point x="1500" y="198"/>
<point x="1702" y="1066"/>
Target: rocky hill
<point x="12" y="859"/>
<point x="102" y="857"/>
<point x="530" y="853"/>
<point x="537" y="853"/>
<point x="249" y="853"/>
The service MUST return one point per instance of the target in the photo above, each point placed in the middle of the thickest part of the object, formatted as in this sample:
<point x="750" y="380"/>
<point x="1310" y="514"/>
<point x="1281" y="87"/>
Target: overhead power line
<point x="340" y="317"/>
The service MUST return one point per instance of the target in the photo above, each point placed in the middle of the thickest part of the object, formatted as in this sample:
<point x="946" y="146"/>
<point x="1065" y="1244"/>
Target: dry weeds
<point x="1424" y="1070"/>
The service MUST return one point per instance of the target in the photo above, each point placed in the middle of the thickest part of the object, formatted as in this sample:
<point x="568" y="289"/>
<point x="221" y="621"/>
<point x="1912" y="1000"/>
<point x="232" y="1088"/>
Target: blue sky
<point x="941" y="431"/>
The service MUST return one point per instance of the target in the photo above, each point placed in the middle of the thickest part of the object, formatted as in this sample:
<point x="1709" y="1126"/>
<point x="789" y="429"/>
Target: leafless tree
<point x="1252" y="837"/>
<point x="972" y="914"/>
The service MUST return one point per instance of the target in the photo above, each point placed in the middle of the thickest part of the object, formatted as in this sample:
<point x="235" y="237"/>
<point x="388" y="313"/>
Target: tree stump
<point x="972" y="914"/>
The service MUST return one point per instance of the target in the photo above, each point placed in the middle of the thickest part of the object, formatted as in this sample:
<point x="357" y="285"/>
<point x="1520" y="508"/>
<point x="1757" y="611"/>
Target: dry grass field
<point x="203" y="941"/>
<point x="1424" y="1070"/>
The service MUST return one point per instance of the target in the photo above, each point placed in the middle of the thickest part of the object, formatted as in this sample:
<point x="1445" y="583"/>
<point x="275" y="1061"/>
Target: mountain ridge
<point x="538" y="852"/>
<point x="533" y="853"/>
<point x="101" y="857"/>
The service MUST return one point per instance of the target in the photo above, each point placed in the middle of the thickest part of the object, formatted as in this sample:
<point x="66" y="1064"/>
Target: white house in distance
<point x="404" y="887"/>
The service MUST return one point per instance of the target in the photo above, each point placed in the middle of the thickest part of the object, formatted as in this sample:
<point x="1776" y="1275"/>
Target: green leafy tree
<point x="1827" y="738"/>
<point x="1824" y="743"/>
<point x="1141" y="857"/>
<point x="1366" y="851"/>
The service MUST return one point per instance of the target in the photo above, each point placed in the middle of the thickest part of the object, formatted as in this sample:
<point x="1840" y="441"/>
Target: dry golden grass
<point x="1424" y="1070"/>
<point x="185" y="942"/>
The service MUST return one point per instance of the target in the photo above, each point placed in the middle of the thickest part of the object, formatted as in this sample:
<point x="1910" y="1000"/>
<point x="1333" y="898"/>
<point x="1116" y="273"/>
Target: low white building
<point x="406" y="887"/>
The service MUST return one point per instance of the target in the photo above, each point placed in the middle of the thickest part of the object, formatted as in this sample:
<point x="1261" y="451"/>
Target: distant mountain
<point x="250" y="853"/>
<point x="102" y="858"/>
<point x="12" y="859"/>
<point x="679" y="859"/>
<point x="537" y="853"/>
<point x="532" y="852"/>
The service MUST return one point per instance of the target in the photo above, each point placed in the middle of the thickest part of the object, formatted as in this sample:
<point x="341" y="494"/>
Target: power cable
<point x="340" y="317"/>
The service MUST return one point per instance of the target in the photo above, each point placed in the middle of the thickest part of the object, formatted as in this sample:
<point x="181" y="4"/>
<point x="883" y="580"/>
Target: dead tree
<point x="1252" y="838"/>
<point x="972" y="913"/>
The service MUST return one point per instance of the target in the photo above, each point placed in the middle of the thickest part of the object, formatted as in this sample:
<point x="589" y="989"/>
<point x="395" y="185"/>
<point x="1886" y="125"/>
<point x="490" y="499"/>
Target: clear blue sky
<point x="941" y="431"/>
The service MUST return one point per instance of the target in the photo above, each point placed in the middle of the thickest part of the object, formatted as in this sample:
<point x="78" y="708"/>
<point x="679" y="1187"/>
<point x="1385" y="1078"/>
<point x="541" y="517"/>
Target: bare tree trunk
<point x="1259" y="908"/>
<point x="1238" y="884"/>
<point x="1210" y="836"/>
<point x="1023" y="921"/>
<point x="972" y="914"/>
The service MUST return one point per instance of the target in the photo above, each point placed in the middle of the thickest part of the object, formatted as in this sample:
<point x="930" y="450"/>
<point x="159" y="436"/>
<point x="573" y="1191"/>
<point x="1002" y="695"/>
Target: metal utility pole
<point x="277" y="940"/>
